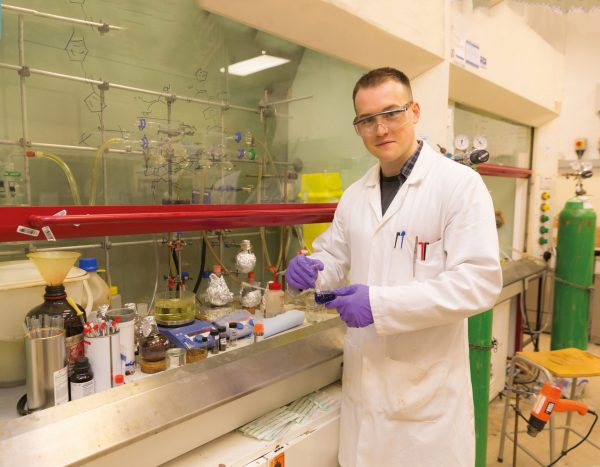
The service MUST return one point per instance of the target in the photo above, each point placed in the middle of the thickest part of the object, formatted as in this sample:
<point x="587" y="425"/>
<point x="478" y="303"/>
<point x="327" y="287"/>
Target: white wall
<point x="578" y="118"/>
<point x="523" y="76"/>
<point x="419" y="23"/>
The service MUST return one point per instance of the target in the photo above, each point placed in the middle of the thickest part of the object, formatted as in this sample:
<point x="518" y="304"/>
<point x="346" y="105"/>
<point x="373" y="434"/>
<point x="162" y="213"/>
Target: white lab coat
<point x="407" y="398"/>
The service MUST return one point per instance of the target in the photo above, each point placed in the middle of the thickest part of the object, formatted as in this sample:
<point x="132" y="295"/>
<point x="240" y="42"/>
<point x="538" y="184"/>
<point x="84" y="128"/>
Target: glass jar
<point x="154" y="345"/>
<point x="175" y="307"/>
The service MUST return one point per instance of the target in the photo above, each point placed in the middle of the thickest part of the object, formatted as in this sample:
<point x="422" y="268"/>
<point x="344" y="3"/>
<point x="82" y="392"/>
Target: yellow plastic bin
<point x="319" y="188"/>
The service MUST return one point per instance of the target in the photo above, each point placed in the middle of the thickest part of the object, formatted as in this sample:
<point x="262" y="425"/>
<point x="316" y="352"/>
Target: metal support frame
<point x="503" y="432"/>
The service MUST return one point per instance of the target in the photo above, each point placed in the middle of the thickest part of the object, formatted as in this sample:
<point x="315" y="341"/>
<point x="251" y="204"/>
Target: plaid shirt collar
<point x="407" y="167"/>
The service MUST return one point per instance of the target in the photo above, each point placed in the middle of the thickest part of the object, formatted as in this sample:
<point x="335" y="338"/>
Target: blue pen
<point x="399" y="234"/>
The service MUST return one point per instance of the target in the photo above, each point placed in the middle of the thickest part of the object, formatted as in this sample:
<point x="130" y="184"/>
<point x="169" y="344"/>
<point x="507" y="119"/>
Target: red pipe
<point x="496" y="170"/>
<point x="98" y="221"/>
<point x="38" y="221"/>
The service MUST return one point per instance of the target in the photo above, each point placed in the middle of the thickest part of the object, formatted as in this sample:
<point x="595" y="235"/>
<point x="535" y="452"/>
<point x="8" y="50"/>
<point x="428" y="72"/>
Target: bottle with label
<point x="233" y="334"/>
<point x="55" y="303"/>
<point x="274" y="296"/>
<point x="222" y="338"/>
<point x="214" y="334"/>
<point x="81" y="381"/>
<point x="99" y="288"/>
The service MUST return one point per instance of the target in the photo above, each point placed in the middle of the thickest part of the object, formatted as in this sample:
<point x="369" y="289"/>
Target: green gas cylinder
<point x="574" y="275"/>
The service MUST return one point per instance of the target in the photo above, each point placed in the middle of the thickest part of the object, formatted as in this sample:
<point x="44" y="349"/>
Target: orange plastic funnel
<point x="54" y="265"/>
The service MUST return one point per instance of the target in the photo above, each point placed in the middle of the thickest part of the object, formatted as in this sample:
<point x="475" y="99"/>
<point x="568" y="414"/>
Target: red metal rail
<point x="496" y="170"/>
<point x="96" y="221"/>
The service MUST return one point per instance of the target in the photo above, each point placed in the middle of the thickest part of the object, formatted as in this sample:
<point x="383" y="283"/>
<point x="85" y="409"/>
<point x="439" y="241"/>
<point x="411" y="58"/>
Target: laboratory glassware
<point x="174" y="307"/>
<point x="54" y="267"/>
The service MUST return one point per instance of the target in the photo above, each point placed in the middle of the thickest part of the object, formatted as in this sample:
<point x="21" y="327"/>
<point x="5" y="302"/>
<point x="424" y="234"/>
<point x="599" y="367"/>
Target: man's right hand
<point x="302" y="272"/>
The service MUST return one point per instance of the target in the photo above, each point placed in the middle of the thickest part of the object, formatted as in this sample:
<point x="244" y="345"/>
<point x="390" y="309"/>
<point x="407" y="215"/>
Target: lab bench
<point x="157" y="419"/>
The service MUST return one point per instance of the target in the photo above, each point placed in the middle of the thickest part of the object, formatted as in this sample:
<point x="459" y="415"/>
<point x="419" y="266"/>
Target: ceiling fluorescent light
<point x="254" y="65"/>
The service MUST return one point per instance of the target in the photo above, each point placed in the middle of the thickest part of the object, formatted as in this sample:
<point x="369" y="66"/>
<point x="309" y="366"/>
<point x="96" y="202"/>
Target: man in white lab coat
<point x="417" y="236"/>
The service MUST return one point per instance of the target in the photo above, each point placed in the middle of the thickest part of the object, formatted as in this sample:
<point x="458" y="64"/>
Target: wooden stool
<point x="565" y="363"/>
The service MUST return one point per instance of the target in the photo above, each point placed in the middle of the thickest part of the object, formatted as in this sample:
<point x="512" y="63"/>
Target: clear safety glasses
<point x="391" y="119"/>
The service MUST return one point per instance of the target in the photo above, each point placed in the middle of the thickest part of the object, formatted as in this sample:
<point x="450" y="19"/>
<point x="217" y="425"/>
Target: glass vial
<point x="222" y="338"/>
<point x="214" y="333"/>
<point x="233" y="334"/>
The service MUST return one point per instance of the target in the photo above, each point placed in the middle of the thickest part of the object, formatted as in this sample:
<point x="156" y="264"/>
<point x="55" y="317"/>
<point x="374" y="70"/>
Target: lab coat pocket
<point x="434" y="262"/>
<point x="412" y="392"/>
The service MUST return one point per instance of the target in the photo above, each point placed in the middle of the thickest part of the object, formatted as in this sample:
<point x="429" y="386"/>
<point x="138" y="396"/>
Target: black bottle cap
<point x="221" y="328"/>
<point x="81" y="363"/>
<point x="214" y="332"/>
<point x="233" y="325"/>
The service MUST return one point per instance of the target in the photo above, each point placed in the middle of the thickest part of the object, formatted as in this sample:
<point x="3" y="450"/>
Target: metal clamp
<point x="104" y="28"/>
<point x="24" y="72"/>
<point x="493" y="346"/>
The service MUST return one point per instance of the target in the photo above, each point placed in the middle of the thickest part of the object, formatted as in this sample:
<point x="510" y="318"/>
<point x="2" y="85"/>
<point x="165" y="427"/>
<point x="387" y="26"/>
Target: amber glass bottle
<point x="55" y="303"/>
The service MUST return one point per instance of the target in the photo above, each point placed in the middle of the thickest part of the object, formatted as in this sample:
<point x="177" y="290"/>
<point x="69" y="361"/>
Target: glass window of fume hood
<point x="175" y="48"/>
<point x="509" y="143"/>
<point x="171" y="48"/>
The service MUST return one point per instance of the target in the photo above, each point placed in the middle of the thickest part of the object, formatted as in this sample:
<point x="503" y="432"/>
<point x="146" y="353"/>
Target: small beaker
<point x="315" y="312"/>
<point x="175" y="357"/>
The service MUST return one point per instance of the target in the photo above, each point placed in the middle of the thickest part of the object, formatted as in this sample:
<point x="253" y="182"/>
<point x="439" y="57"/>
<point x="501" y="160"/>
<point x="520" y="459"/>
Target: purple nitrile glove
<point x="302" y="272"/>
<point x="353" y="305"/>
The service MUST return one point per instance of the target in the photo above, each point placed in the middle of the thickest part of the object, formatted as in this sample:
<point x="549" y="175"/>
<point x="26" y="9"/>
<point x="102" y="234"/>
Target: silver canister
<point x="47" y="369"/>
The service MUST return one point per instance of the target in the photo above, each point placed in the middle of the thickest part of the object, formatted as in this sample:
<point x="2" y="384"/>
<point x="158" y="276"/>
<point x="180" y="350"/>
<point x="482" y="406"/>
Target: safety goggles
<point x="391" y="119"/>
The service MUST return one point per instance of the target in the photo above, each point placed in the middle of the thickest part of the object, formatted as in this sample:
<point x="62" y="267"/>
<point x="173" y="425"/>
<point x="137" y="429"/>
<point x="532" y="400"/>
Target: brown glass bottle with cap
<point x="55" y="303"/>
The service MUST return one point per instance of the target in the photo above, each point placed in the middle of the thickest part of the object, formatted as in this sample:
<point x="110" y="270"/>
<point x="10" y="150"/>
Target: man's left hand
<point x="353" y="305"/>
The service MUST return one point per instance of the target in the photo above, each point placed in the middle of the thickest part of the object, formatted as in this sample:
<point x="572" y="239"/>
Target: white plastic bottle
<point x="99" y="288"/>
<point x="274" y="297"/>
<point x="115" y="297"/>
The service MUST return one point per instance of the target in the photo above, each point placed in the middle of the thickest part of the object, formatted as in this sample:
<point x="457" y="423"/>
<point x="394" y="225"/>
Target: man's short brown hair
<point x="380" y="75"/>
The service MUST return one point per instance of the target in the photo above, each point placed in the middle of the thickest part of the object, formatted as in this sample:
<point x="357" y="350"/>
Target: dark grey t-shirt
<point x="389" y="186"/>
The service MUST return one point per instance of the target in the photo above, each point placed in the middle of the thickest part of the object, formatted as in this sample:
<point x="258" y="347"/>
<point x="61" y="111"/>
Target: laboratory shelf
<point x="95" y="221"/>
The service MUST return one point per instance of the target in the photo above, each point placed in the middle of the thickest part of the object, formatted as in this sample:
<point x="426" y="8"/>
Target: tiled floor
<point x="583" y="456"/>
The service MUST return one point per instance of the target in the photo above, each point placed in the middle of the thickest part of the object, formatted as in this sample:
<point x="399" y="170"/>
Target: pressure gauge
<point x="480" y="142"/>
<point x="461" y="142"/>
